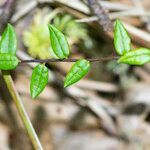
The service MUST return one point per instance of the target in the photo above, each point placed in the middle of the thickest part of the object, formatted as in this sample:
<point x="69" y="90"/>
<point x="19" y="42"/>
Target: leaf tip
<point x="33" y="95"/>
<point x="119" y="60"/>
<point x="50" y="26"/>
<point x="65" y="85"/>
<point x="8" y="24"/>
<point x="10" y="27"/>
<point x="118" y="22"/>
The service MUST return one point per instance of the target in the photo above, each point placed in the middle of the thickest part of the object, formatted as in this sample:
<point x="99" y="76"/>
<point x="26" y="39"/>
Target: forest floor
<point x="109" y="108"/>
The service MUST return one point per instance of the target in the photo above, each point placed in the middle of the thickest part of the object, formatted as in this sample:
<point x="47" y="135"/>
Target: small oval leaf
<point x="8" y="61"/>
<point x="8" y="43"/>
<point x="78" y="71"/>
<point x="139" y="56"/>
<point x="58" y="42"/>
<point x="122" y="41"/>
<point x="39" y="80"/>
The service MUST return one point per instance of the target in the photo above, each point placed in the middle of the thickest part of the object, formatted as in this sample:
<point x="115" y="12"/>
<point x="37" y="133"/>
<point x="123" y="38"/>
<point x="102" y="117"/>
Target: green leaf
<point x="8" y="43"/>
<point x="58" y="42"/>
<point x="39" y="80"/>
<point x="139" y="56"/>
<point x="78" y="71"/>
<point x="122" y="41"/>
<point x="8" y="61"/>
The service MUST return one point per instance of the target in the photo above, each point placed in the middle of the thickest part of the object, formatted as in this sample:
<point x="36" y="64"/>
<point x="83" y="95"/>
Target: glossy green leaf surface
<point x="8" y="43"/>
<point x="8" y="61"/>
<point x="77" y="72"/>
<point x="39" y="80"/>
<point x="139" y="56"/>
<point x="58" y="42"/>
<point x="122" y="41"/>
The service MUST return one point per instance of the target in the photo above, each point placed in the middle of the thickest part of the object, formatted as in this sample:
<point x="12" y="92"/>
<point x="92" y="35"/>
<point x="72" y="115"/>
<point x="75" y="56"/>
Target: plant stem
<point x="69" y="60"/>
<point x="20" y="107"/>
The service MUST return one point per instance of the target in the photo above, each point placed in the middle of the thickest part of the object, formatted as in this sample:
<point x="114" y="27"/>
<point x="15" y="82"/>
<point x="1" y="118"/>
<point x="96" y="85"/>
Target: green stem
<point x="20" y="107"/>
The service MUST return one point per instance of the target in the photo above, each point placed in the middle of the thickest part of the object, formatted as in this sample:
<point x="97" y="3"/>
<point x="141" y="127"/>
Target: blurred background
<point x="107" y="110"/>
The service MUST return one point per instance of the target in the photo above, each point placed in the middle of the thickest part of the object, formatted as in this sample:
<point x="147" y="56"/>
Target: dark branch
<point x="69" y="60"/>
<point x="100" y="12"/>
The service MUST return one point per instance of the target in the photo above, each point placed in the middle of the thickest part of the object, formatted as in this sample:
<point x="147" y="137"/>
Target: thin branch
<point x="69" y="60"/>
<point x="20" y="107"/>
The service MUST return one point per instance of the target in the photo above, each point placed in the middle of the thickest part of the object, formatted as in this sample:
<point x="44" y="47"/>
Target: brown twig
<point x="69" y="60"/>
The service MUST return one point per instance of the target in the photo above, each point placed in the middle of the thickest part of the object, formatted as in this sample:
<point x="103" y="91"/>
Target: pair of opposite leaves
<point x="61" y="49"/>
<point x="122" y="44"/>
<point x="39" y="79"/>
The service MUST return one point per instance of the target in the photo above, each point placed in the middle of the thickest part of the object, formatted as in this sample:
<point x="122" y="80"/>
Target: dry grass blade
<point x="6" y="12"/>
<point x="98" y="86"/>
<point x="23" y="11"/>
